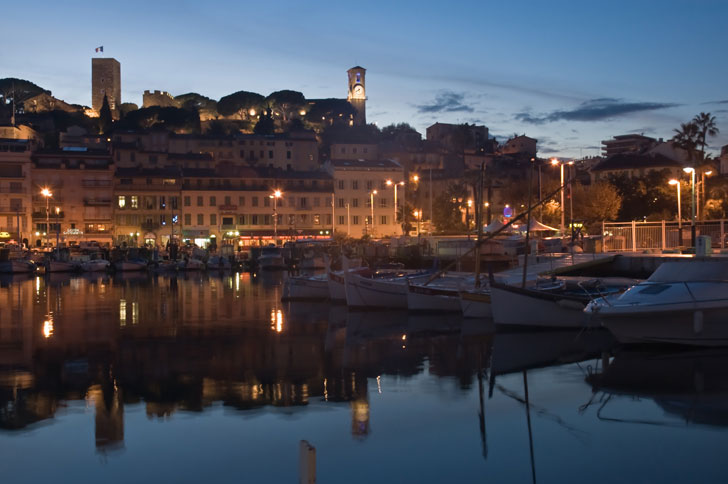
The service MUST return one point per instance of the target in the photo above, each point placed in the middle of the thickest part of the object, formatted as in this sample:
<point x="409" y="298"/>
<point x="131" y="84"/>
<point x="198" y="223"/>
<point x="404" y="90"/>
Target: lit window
<point x="122" y="201"/>
<point x="134" y="201"/>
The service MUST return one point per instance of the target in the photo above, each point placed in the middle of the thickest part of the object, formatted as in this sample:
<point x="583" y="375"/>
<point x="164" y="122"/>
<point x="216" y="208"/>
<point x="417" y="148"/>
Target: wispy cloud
<point x="446" y="102"/>
<point x="724" y="101"/>
<point x="593" y="110"/>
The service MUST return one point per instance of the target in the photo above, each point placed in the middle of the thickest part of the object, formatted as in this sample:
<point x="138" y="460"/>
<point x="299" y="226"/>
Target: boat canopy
<point x="691" y="271"/>
<point x="536" y="226"/>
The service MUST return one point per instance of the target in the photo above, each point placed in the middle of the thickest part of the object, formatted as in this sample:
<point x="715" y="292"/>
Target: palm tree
<point x="688" y="139"/>
<point x="705" y="124"/>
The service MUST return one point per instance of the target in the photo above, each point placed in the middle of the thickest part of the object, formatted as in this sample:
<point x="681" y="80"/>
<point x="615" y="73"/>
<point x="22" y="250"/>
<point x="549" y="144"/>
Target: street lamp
<point x="679" y="210"/>
<point x="555" y="162"/>
<point x="701" y="192"/>
<point x="692" y="203"/>
<point x="371" y="204"/>
<point x="390" y="183"/>
<point x="47" y="194"/>
<point x="418" y="215"/>
<point x="275" y="196"/>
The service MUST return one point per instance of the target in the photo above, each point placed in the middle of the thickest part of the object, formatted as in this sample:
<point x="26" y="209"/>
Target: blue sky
<point x="568" y="73"/>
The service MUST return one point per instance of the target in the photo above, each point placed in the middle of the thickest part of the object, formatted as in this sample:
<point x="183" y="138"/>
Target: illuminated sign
<point x="4" y="235"/>
<point x="508" y="212"/>
<point x="72" y="232"/>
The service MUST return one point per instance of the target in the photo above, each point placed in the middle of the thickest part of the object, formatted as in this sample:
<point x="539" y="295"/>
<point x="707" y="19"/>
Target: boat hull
<point x="362" y="292"/>
<point x="685" y="327"/>
<point x="95" y="266"/>
<point x="17" y="267"/>
<point x="432" y="298"/>
<point x="126" y="266"/>
<point x="271" y="263"/>
<point x="476" y="304"/>
<point x="523" y="307"/>
<point x="60" y="266"/>
<point x="306" y="288"/>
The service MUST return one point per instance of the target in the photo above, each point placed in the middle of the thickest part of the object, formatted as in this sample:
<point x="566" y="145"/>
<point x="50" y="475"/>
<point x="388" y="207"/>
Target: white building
<point x="356" y="184"/>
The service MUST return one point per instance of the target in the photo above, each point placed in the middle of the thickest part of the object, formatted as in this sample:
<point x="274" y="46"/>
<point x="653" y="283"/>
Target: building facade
<point x="359" y="182"/>
<point x="15" y="189"/>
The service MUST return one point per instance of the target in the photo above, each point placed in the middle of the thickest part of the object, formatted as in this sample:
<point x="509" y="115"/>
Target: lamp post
<point x="58" y="227"/>
<point x="47" y="194"/>
<point x="275" y="196"/>
<point x="679" y="210"/>
<point x="555" y="162"/>
<point x="371" y="205"/>
<point x="390" y="183"/>
<point x="692" y="203"/>
<point x="701" y="191"/>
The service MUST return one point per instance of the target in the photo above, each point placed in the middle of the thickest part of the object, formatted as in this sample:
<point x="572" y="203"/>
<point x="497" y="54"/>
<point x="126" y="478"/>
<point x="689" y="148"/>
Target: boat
<point x="190" y="264"/>
<point x="165" y="265"/>
<point x="335" y="279"/>
<point x="381" y="290"/>
<point x="219" y="262"/>
<point x="95" y="265"/>
<point x="17" y="266"/>
<point x="682" y="302"/>
<point x="476" y="303"/>
<point x="551" y="302"/>
<point x="441" y="295"/>
<point x="61" y="266"/>
<point x="271" y="258"/>
<point x="306" y="287"/>
<point x="129" y="265"/>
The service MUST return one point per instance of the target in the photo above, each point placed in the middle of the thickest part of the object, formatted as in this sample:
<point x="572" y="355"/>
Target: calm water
<point x="205" y="378"/>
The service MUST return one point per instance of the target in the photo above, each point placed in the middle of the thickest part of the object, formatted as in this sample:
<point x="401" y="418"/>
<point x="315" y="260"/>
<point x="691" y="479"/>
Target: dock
<point x="540" y="265"/>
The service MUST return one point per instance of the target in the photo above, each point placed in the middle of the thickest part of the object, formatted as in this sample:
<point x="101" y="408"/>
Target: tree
<point x="241" y="104"/>
<point x="705" y="125"/>
<point x="265" y="124"/>
<point x="596" y="203"/>
<point x="285" y="103"/>
<point x="448" y="209"/>
<point x="105" y="119"/>
<point x="687" y="138"/>
<point x="175" y="119"/>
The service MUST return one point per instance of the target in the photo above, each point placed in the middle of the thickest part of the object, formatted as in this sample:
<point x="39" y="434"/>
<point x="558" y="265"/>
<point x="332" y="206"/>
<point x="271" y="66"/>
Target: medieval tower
<point x="357" y="95"/>
<point x="105" y="80"/>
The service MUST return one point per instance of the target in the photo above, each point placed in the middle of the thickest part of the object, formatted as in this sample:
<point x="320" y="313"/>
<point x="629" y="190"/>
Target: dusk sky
<point x="567" y="73"/>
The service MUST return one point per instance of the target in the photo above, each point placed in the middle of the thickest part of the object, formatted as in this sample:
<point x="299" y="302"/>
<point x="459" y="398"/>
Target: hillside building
<point x="105" y="81"/>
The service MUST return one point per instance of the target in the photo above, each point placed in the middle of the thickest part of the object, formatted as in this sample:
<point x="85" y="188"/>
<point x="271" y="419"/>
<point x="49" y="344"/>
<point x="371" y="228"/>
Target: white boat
<point x="17" y="266"/>
<point x="681" y="302"/>
<point x="130" y="265"/>
<point x="475" y="303"/>
<point x="335" y="279"/>
<point x="381" y="291"/>
<point x="190" y="264"/>
<point x="441" y="294"/>
<point x="550" y="303"/>
<point x="95" y="265"/>
<point x="271" y="258"/>
<point x="312" y="262"/>
<point x="306" y="287"/>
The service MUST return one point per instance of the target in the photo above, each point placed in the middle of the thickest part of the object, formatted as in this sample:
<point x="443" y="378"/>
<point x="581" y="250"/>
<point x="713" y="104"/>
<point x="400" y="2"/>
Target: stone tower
<point x="105" y="80"/>
<point x="357" y="96"/>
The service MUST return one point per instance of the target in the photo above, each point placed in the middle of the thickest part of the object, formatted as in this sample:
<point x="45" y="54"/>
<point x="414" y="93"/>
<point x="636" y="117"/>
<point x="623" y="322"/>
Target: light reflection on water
<point x="210" y="377"/>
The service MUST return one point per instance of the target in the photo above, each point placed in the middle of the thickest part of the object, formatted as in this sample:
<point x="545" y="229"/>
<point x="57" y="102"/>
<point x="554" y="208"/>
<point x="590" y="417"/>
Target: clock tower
<point x="357" y="95"/>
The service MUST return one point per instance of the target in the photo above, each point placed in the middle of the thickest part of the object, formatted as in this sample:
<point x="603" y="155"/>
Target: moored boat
<point x="61" y="266"/>
<point x="190" y="264"/>
<point x="476" y="303"/>
<point x="383" y="290"/>
<point x="441" y="294"/>
<point x="271" y="258"/>
<point x="95" y="265"/>
<point x="130" y="265"/>
<point x="550" y="303"/>
<point x="17" y="266"/>
<point x="306" y="287"/>
<point x="681" y="302"/>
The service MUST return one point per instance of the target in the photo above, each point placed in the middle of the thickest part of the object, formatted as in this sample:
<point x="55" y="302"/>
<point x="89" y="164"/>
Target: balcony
<point x="96" y="202"/>
<point x="12" y="209"/>
<point x="12" y="190"/>
<point x="96" y="183"/>
<point x="51" y="201"/>
<point x="150" y="225"/>
<point x="52" y="215"/>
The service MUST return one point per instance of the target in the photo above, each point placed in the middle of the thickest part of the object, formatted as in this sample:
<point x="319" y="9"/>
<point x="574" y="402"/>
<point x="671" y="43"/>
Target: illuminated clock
<point x="358" y="90"/>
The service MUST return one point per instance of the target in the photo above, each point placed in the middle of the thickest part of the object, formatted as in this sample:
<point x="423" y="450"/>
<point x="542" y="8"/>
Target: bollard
<point x="307" y="463"/>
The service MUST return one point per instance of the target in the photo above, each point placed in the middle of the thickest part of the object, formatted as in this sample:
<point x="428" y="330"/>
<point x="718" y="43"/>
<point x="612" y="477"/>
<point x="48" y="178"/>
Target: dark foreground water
<point x="205" y="378"/>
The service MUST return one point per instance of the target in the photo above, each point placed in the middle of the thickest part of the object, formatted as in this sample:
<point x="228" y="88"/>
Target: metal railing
<point x="640" y="236"/>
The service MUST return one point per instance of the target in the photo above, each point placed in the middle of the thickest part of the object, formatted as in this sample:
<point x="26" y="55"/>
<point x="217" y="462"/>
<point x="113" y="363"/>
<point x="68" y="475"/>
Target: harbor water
<point x="211" y="378"/>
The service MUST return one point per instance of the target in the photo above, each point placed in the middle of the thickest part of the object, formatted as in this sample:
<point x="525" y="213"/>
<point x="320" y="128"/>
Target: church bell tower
<point x="357" y="95"/>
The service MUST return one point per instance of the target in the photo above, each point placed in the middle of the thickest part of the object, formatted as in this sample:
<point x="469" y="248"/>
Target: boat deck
<point x="552" y="264"/>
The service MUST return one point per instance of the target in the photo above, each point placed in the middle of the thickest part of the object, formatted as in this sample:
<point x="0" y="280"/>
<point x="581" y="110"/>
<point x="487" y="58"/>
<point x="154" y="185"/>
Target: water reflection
<point x="183" y="343"/>
<point x="690" y="386"/>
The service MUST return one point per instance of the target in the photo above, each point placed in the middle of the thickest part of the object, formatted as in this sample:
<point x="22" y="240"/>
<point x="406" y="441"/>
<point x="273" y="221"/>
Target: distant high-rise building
<point x="357" y="95"/>
<point x="105" y="81"/>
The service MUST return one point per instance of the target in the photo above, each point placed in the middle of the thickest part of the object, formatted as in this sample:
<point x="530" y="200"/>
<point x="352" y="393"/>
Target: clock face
<point x="358" y="90"/>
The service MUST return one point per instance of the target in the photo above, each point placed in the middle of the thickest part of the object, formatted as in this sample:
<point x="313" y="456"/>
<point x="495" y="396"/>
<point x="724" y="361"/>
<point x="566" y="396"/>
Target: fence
<point x="639" y="236"/>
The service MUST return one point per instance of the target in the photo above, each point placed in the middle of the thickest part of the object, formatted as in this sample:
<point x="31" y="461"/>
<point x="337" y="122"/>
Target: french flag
<point x="100" y="49"/>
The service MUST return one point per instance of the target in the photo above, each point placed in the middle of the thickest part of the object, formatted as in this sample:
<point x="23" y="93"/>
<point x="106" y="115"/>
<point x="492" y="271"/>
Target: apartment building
<point x="15" y="189"/>
<point x="71" y="195"/>
<point x="358" y="183"/>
